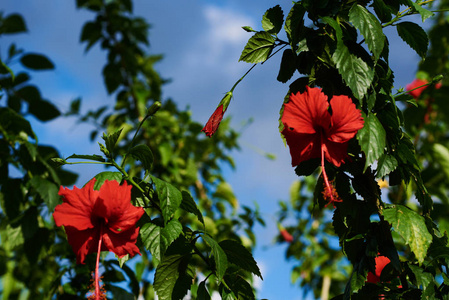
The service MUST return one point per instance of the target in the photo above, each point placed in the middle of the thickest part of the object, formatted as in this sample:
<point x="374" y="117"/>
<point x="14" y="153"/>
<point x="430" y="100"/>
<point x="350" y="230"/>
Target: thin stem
<point x="403" y="13"/>
<point x="238" y="81"/>
<point x="421" y="86"/>
<point x="97" y="266"/>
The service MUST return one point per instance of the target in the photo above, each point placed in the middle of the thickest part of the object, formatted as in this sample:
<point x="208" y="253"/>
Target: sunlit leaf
<point x="169" y="196"/>
<point x="272" y="20"/>
<point x="258" y="48"/>
<point x="221" y="261"/>
<point x="412" y="227"/>
<point x="372" y="139"/>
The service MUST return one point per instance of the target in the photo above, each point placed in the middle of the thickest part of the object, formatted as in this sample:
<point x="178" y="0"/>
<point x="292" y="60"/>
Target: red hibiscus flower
<point x="96" y="221"/>
<point x="312" y="131"/>
<point x="214" y="121"/>
<point x="286" y="235"/>
<point x="381" y="262"/>
<point x="416" y="83"/>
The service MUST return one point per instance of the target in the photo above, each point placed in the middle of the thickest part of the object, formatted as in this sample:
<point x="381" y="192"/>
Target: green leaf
<point x="202" y="293"/>
<point x="425" y="14"/>
<point x="91" y="33"/>
<point x="258" y="48"/>
<point x="107" y="175"/>
<point x="248" y="29"/>
<point x="189" y="205"/>
<point x="167" y="274"/>
<point x="412" y="227"/>
<point x="169" y="196"/>
<point x="414" y="36"/>
<point x="111" y="139"/>
<point x="386" y="165"/>
<point x="13" y="23"/>
<point x="272" y="20"/>
<point x="225" y="192"/>
<point x="369" y="27"/>
<point x="288" y="66"/>
<point x="36" y="62"/>
<point x="112" y="77"/>
<point x="156" y="239"/>
<point x="372" y="139"/>
<point x="423" y="279"/>
<point x="238" y="255"/>
<point x="355" y="72"/>
<point x="47" y="190"/>
<point x="88" y="157"/>
<point x="335" y="25"/>
<point x="143" y="153"/>
<point x="239" y="287"/>
<point x="221" y="261"/>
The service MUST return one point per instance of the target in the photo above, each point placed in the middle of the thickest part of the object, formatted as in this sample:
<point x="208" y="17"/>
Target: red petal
<point x="77" y="207"/>
<point x="214" y="121"/>
<point x="381" y="262"/>
<point x="83" y="242"/>
<point x="335" y="153"/>
<point x="114" y="206"/>
<point x="305" y="112"/>
<point x="346" y="120"/>
<point x="122" y="243"/>
<point x="417" y="82"/>
<point x="302" y="146"/>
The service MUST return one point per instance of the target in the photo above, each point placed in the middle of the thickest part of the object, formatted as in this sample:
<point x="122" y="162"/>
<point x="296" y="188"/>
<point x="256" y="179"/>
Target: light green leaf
<point x="441" y="155"/>
<point x="169" y="196"/>
<point x="423" y="279"/>
<point x="258" y="48"/>
<point x="143" y="153"/>
<point x="221" y="261"/>
<point x="36" y="62"/>
<point x="372" y="139"/>
<point x="334" y="24"/>
<point x="107" y="175"/>
<point x="47" y="190"/>
<point x="272" y="20"/>
<point x="156" y="239"/>
<point x="412" y="227"/>
<point x="189" y="205"/>
<point x="238" y="255"/>
<point x="369" y="27"/>
<point x="111" y="139"/>
<point x="414" y="36"/>
<point x="425" y="14"/>
<point x="355" y="72"/>
<point x="89" y="157"/>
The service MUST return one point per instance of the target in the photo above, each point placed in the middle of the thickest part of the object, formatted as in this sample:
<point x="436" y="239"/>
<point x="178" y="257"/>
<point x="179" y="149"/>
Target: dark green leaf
<point x="189" y="205"/>
<point x="383" y="12"/>
<point x="355" y="72"/>
<point x="386" y="165"/>
<point x="36" y="62"/>
<point x="112" y="77"/>
<point x="221" y="261"/>
<point x="120" y="293"/>
<point x="169" y="196"/>
<point x="288" y="66"/>
<point x="13" y="123"/>
<point x="89" y="157"/>
<point x="412" y="227"/>
<point x="103" y="176"/>
<point x="43" y="110"/>
<point x="272" y="20"/>
<point x="369" y="27"/>
<point x="238" y="255"/>
<point x="306" y="168"/>
<point x="91" y="33"/>
<point x="240" y="288"/>
<point x="414" y="36"/>
<point x="143" y="153"/>
<point x="167" y="274"/>
<point x="13" y="23"/>
<point x="47" y="190"/>
<point x="294" y="24"/>
<point x="258" y="48"/>
<point x="423" y="279"/>
<point x="11" y="192"/>
<point x="202" y="293"/>
<point x="372" y="139"/>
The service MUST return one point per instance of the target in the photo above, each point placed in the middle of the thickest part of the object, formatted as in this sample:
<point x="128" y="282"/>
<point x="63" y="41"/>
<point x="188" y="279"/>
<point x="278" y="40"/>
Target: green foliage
<point x="414" y="36"/>
<point x="258" y="48"/>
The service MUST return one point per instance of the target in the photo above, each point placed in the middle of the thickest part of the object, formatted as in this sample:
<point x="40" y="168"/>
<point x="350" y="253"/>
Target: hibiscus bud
<point x="437" y="79"/>
<point x="214" y="120"/>
<point x="154" y="108"/>
<point x="285" y="234"/>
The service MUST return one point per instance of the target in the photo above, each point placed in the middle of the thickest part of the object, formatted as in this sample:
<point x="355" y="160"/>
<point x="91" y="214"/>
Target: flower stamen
<point x="330" y="193"/>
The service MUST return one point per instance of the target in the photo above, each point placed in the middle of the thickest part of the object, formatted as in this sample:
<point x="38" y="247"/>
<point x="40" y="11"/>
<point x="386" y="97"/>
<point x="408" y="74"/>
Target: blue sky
<point x="201" y="42"/>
